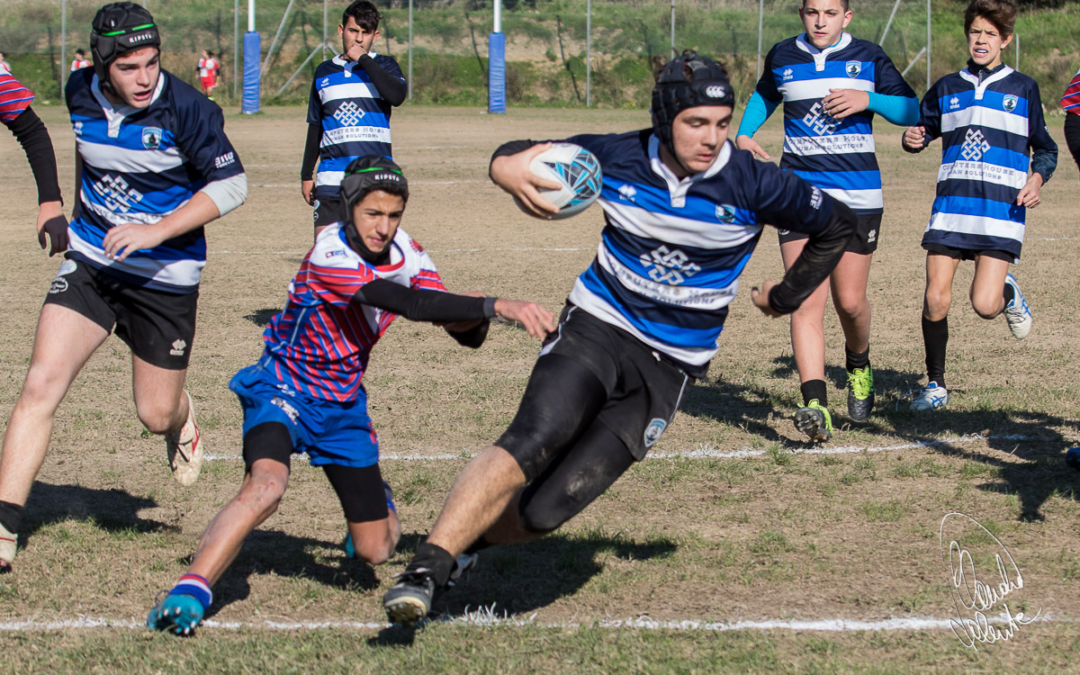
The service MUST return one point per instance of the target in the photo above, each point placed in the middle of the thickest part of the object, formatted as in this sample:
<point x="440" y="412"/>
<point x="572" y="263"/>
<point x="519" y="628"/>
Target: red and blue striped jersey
<point x="1071" y="100"/>
<point x="321" y="342"/>
<point x="14" y="98"/>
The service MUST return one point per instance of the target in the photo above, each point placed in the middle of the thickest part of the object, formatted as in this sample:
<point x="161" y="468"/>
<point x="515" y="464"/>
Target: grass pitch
<point x="772" y="533"/>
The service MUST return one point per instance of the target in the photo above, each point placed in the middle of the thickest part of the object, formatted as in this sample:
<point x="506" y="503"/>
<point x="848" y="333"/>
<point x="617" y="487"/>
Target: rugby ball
<point x="576" y="170"/>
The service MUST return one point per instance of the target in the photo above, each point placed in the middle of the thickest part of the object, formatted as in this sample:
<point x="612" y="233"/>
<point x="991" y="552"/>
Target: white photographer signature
<point x="973" y="598"/>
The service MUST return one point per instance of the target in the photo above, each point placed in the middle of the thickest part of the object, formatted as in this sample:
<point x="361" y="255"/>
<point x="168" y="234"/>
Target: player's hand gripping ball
<point x="576" y="170"/>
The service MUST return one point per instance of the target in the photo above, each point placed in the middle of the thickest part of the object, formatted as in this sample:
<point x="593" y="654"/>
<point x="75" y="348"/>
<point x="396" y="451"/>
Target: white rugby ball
<point x="576" y="170"/>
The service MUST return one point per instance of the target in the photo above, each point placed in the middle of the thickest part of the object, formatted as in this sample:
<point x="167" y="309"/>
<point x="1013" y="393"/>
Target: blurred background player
<point x="349" y="110"/>
<point x="831" y="85"/>
<point x="1071" y="103"/>
<point x="5" y="67"/>
<point x="80" y="61"/>
<point x="684" y="210"/>
<point x="988" y="117"/>
<point x="154" y="166"/>
<point x="306" y="393"/>
<point x="208" y="73"/>
<point x="17" y="115"/>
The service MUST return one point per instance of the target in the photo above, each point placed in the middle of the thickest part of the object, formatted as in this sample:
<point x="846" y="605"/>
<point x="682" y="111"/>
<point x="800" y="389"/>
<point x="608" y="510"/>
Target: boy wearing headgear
<point x="306" y="394"/>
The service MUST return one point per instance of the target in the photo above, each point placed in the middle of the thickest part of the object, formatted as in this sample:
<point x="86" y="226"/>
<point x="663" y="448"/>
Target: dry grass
<point x="776" y="535"/>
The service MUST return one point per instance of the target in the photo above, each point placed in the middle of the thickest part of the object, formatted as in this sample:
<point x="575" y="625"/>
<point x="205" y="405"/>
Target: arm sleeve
<point x="34" y="138"/>
<point x="314" y="108"/>
<point x="422" y="305"/>
<point x="228" y="194"/>
<point x="816" y="262"/>
<point x="1044" y="151"/>
<point x="757" y="111"/>
<point x="900" y="110"/>
<point x="311" y="151"/>
<point x="387" y="77"/>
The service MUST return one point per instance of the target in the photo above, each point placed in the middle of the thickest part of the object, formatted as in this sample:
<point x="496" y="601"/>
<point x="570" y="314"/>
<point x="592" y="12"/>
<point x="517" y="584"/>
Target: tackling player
<point x="306" y="393"/>
<point x="1071" y="103"/>
<point x="988" y="117"/>
<point x="831" y="85"/>
<point x="349" y="110"/>
<point x="684" y="211"/>
<point x="17" y="115"/>
<point x="154" y="166"/>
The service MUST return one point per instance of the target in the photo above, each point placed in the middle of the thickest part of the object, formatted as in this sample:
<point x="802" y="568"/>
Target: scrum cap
<point x="367" y="174"/>
<point x="687" y="81"/>
<point x="119" y="28"/>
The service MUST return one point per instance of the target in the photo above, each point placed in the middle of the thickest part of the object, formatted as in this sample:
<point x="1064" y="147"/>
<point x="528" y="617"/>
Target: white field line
<point x="486" y="617"/>
<point x="705" y="451"/>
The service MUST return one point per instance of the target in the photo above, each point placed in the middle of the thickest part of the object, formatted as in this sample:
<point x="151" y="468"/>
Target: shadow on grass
<point x="113" y="511"/>
<point x="262" y="317"/>
<point x="1034" y="437"/>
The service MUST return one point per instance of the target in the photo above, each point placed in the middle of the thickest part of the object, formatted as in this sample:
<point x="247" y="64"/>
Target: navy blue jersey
<point x="986" y="130"/>
<point x="835" y="155"/>
<point x="138" y="166"/>
<point x="672" y="250"/>
<point x="355" y="118"/>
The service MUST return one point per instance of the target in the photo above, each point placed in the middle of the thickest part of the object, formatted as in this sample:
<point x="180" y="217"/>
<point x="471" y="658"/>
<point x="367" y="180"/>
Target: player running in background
<point x="349" y="110"/>
<point x="988" y="117"/>
<point x="831" y="85"/>
<point x="306" y="393"/>
<point x="1071" y="102"/>
<point x="684" y="211"/>
<point x="17" y="115"/>
<point x="154" y="166"/>
<point x="80" y="61"/>
<point x="208" y="73"/>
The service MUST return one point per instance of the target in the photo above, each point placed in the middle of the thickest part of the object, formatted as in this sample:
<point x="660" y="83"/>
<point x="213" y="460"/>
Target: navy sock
<point x="436" y="559"/>
<point x="856" y="361"/>
<point x="1008" y="294"/>
<point x="935" y="340"/>
<point x="11" y="516"/>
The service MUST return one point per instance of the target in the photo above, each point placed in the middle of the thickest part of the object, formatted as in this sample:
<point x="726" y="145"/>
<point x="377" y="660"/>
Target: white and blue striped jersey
<point x="835" y="155"/>
<point x="138" y="166"/>
<point x="986" y="129"/>
<point x="355" y="118"/>
<point x="672" y="250"/>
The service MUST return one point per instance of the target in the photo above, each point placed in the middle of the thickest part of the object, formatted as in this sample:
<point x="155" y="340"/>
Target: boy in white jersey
<point x="831" y="85"/>
<point x="989" y="117"/>
<point x="155" y="166"/>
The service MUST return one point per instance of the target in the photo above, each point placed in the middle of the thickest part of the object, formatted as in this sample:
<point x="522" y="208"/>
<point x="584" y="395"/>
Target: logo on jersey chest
<point x="725" y="213"/>
<point x="821" y="122"/>
<point x="1009" y="103"/>
<point x="348" y="113"/>
<point x="954" y="103"/>
<point x="975" y="146"/>
<point x="853" y="68"/>
<point x="627" y="192"/>
<point x="654" y="431"/>
<point x="815" y="198"/>
<point x="151" y="138"/>
<point x="788" y="74"/>
<point x="118" y="196"/>
<point x="669" y="267"/>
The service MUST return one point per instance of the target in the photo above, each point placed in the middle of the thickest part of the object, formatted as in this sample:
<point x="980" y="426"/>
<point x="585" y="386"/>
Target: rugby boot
<point x="860" y="394"/>
<point x="932" y="397"/>
<point x="409" y="601"/>
<point x="186" y="448"/>
<point x="1017" y="312"/>
<point x="814" y="421"/>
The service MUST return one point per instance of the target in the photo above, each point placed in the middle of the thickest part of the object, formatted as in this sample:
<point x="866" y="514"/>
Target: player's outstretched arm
<point x="511" y="170"/>
<point x="34" y="138"/>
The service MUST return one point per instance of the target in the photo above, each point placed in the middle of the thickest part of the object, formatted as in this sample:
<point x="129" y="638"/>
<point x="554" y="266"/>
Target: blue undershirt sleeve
<point x="900" y="110"/>
<point x="757" y="111"/>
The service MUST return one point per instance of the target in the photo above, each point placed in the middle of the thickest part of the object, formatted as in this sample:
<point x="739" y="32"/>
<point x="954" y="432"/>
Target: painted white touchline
<point x="704" y="451"/>
<point x="485" y="617"/>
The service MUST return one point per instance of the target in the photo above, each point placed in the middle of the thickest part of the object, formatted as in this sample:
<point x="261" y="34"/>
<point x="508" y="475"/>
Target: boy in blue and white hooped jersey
<point x="349" y="111"/>
<point x="155" y="166"/>
<point x="831" y="85"/>
<point x="684" y="210"/>
<point x="988" y="117"/>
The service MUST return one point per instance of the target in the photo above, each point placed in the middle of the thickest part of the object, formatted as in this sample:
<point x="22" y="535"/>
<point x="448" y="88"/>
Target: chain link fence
<point x="550" y="62"/>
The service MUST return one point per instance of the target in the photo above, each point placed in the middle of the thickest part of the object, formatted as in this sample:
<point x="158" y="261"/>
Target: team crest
<point x="853" y="68"/>
<point x="1009" y="103"/>
<point x="725" y="213"/>
<point x="654" y="431"/>
<point x="151" y="138"/>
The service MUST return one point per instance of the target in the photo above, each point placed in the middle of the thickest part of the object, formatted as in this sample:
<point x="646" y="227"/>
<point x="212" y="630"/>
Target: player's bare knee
<point x="263" y="493"/>
<point x="851" y="305"/>
<point x="987" y="308"/>
<point x="936" y="304"/>
<point x="375" y="551"/>
<point x="157" y="419"/>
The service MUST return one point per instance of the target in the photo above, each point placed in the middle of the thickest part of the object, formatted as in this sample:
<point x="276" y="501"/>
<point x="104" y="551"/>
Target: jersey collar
<point x="981" y="83"/>
<point x="116" y="115"/>
<point x="821" y="54"/>
<point x="348" y="65"/>
<point x="677" y="187"/>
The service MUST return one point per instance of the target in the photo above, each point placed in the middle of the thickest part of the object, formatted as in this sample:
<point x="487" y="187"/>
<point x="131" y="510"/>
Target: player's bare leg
<point x="165" y="409"/>
<point x="849" y="281"/>
<point x="940" y="271"/>
<point x="258" y="499"/>
<point x="510" y="528"/>
<point x="374" y="542"/>
<point x="808" y="345"/>
<point x="63" y="343"/>
<point x="986" y="287"/>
